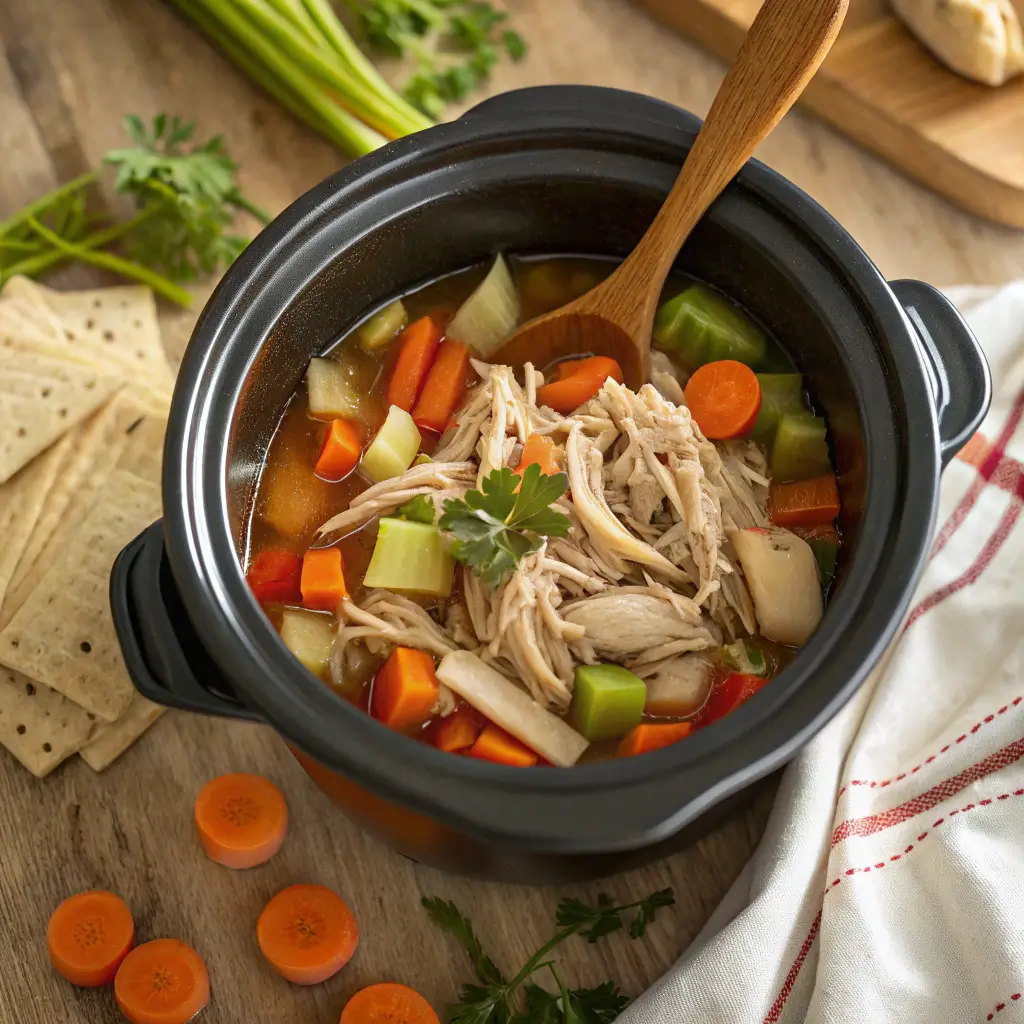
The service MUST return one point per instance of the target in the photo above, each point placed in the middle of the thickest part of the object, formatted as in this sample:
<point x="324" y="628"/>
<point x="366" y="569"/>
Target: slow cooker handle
<point x="162" y="652"/>
<point x="961" y="380"/>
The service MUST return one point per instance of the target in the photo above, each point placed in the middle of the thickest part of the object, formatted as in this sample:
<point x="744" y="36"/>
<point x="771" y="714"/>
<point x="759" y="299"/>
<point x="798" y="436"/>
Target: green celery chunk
<point x="746" y="657"/>
<point x="827" y="553"/>
<point x="780" y="393"/>
<point x="309" y="637"/>
<point x="379" y="331"/>
<point x="393" y="449"/>
<point x="800" y="450"/>
<point x="608" y="701"/>
<point x="410" y="556"/>
<point x="701" y="327"/>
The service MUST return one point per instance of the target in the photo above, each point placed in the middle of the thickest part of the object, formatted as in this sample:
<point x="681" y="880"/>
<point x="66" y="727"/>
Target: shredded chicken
<point x="666" y="378"/>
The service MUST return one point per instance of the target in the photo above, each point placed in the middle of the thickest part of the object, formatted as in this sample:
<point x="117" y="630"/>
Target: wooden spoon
<point x="786" y="43"/>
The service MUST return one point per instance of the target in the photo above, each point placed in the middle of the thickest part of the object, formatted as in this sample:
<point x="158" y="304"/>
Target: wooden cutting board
<point x="883" y="89"/>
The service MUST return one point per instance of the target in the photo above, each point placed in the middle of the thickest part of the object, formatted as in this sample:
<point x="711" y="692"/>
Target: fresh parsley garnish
<point x="522" y="1001"/>
<point x="493" y="528"/>
<point x="417" y="510"/>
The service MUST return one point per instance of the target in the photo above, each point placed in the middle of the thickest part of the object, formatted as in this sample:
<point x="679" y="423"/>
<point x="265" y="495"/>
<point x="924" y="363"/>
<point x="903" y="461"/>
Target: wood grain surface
<point x="68" y="70"/>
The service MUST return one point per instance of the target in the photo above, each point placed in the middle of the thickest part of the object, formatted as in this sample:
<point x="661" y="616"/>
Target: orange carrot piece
<point x="405" y="689"/>
<point x="341" y="450"/>
<point x="724" y="398"/>
<point x="571" y="390"/>
<point x="162" y="982"/>
<point x="805" y="502"/>
<point x="88" y="936"/>
<point x="444" y="387"/>
<point x="241" y="819"/>
<point x="494" y="744"/>
<point x="604" y="366"/>
<point x="652" y="736"/>
<point x="539" y="450"/>
<point x="388" y="1003"/>
<point x="459" y="731"/>
<point x="307" y="933"/>
<point x="323" y="579"/>
<point x="417" y="347"/>
<point x="273" y="576"/>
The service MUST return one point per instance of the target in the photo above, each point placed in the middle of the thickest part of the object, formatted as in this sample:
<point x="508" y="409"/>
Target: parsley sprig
<point x="493" y="528"/>
<point x="186" y="198"/>
<point x="496" y="1001"/>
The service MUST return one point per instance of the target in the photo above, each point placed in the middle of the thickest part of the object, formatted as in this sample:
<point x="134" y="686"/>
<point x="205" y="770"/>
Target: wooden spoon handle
<point x="784" y="47"/>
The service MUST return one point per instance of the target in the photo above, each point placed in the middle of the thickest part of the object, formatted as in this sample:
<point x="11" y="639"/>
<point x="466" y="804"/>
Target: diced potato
<point x="381" y="329"/>
<point x="309" y="637"/>
<point x="394" y="447"/>
<point x="410" y="556"/>
<point x="490" y="314"/>
<point x="334" y="390"/>
<point x="679" y="688"/>
<point x="782" y="574"/>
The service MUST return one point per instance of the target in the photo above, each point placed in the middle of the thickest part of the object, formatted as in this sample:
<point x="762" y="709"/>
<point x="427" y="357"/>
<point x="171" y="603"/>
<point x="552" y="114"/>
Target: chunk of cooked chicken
<point x="667" y="378"/>
<point x="678" y="686"/>
<point x="782" y="574"/>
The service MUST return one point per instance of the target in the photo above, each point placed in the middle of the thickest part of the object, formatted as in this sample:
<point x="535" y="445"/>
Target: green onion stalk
<point x="301" y="54"/>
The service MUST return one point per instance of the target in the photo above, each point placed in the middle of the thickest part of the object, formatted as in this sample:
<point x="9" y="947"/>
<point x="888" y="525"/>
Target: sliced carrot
<point x="652" y="736"/>
<point x="571" y="390"/>
<point x="88" y="936"/>
<point x="341" y="450"/>
<point x="604" y="366"/>
<point x="444" y="387"/>
<point x="724" y="398"/>
<point x="539" y="450"/>
<point x="417" y="347"/>
<point x="388" y="1003"/>
<point x="273" y="576"/>
<point x="405" y="689"/>
<point x="323" y="579"/>
<point x="459" y="731"/>
<point x="241" y="819"/>
<point x="812" y="502"/>
<point x="494" y="744"/>
<point x="307" y="933"/>
<point x="735" y="689"/>
<point x="162" y="982"/>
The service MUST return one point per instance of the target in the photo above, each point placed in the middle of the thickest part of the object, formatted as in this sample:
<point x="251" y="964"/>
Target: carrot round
<point x="724" y="398"/>
<point x="444" y="387"/>
<point x="652" y="736"/>
<point x="405" y="689"/>
<point x="88" y="936"/>
<point x="388" y="1003"/>
<point x="459" y="731"/>
<point x="323" y="579"/>
<point x="341" y="450"/>
<point x="162" y="982"/>
<point x="539" y="450"/>
<point x="812" y="502"/>
<point x="307" y="933"/>
<point x="578" y="384"/>
<point x="416" y="349"/>
<point x="241" y="819"/>
<point x="497" y="746"/>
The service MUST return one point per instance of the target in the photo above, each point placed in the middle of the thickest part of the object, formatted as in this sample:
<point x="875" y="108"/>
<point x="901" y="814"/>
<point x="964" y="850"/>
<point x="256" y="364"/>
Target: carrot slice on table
<point x="650" y="736"/>
<point x="341" y="450"/>
<point x="273" y="576"/>
<point x="405" y="689"/>
<point x="603" y="366"/>
<point x="88" y="936"/>
<point x="812" y="502"/>
<point x="323" y="579"/>
<point x="444" y="387"/>
<point x="728" y="695"/>
<point x="162" y="982"/>
<point x="241" y="819"/>
<point x="497" y="746"/>
<point x="417" y="347"/>
<point x="307" y="933"/>
<point x="459" y="731"/>
<point x="388" y="1003"/>
<point x="539" y="450"/>
<point x="724" y="398"/>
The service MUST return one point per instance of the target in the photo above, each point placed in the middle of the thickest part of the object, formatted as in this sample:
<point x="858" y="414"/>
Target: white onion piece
<point x="490" y="314"/>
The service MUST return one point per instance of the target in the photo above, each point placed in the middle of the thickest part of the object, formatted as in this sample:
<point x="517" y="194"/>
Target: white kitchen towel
<point x="889" y="885"/>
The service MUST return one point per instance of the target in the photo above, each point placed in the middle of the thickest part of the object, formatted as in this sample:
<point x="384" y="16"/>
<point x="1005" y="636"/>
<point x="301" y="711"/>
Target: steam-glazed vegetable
<point x="309" y="637"/>
<point x="333" y="391"/>
<point x="608" y="701"/>
<point x="379" y="331"/>
<point x="490" y="314"/>
<point x="780" y="393"/>
<point x="391" y="452"/>
<point x="680" y="687"/>
<point x="699" y="327"/>
<point x="410" y="556"/>
<point x="746" y="657"/>
<point x="800" y="450"/>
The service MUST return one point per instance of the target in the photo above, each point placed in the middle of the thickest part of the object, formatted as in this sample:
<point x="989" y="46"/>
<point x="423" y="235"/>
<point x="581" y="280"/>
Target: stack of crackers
<point x="84" y="392"/>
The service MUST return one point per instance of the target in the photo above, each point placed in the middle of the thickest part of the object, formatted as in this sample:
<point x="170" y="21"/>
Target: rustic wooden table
<point x="68" y="70"/>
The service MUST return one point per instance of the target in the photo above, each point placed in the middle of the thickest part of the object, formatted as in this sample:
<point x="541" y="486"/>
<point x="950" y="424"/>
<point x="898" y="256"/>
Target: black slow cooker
<point x="554" y="170"/>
